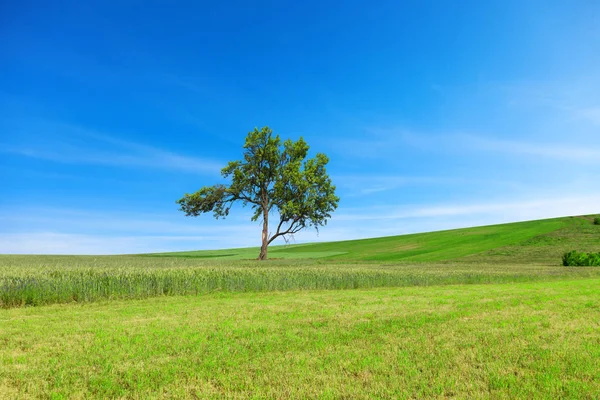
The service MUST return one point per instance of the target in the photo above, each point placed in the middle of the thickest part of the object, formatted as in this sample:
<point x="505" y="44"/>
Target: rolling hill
<point x="540" y="241"/>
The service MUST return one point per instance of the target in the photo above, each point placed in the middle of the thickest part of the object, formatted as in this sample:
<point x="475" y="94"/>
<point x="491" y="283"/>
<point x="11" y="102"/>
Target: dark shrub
<point x="597" y="221"/>
<point x="577" y="259"/>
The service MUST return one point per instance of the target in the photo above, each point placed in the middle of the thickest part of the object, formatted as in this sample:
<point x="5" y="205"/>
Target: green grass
<point x="534" y="252"/>
<point x="484" y="312"/>
<point x="58" y="279"/>
<point x="541" y="241"/>
<point x="522" y="340"/>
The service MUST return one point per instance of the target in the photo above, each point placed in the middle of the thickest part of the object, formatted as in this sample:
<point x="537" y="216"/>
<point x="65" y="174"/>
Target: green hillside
<point x="541" y="241"/>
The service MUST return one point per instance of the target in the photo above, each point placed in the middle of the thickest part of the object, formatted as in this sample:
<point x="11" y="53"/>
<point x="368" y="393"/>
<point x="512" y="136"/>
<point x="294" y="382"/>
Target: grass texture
<point x="523" y="340"/>
<point x="39" y="280"/>
<point x="541" y="241"/>
<point x="88" y="279"/>
<point x="483" y="312"/>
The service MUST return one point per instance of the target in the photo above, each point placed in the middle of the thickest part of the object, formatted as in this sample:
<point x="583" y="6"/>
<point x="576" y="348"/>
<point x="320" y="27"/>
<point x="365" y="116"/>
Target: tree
<point x="271" y="177"/>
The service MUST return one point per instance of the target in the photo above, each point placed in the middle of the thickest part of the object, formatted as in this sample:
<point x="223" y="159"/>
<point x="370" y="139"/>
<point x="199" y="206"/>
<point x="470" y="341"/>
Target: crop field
<point x="471" y="313"/>
<point x="88" y="279"/>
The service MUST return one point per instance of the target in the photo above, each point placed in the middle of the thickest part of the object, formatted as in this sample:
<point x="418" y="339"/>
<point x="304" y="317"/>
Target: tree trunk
<point x="265" y="236"/>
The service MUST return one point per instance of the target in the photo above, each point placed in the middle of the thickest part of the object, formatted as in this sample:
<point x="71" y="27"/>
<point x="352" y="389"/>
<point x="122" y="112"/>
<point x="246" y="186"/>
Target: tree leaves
<point x="271" y="177"/>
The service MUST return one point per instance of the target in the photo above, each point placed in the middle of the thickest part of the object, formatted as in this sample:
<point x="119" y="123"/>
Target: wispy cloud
<point x="77" y="145"/>
<point x="376" y="221"/>
<point x="362" y="185"/>
<point x="71" y="231"/>
<point x="374" y="143"/>
<point x="517" y="210"/>
<point x="17" y="219"/>
<point x="572" y="107"/>
<point x="386" y="144"/>
<point x="591" y="114"/>
<point x="553" y="120"/>
<point x="95" y="244"/>
<point x="556" y="151"/>
<point x="88" y="232"/>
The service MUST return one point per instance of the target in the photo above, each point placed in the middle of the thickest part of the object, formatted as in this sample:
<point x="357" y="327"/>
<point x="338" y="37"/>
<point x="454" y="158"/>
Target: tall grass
<point x="38" y="280"/>
<point x="90" y="285"/>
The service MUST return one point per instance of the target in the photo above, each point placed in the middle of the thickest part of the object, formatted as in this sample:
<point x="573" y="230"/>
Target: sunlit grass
<point x="523" y="340"/>
<point x="500" y="318"/>
<point x="38" y="280"/>
<point x="541" y="241"/>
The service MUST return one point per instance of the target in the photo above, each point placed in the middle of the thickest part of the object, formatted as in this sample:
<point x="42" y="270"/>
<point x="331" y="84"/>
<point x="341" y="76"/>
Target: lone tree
<point x="271" y="177"/>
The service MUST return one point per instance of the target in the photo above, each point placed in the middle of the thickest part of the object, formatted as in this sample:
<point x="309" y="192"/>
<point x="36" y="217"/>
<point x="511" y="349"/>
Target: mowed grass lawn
<point x="518" y="340"/>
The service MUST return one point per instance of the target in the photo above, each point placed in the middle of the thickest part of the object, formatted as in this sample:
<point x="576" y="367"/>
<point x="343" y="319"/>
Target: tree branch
<point x="291" y="229"/>
<point x="240" y="196"/>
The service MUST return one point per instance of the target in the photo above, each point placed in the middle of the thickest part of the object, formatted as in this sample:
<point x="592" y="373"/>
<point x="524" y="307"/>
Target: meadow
<point x="470" y="313"/>
<point x="517" y="252"/>
<point x="521" y="340"/>
<point x="88" y="279"/>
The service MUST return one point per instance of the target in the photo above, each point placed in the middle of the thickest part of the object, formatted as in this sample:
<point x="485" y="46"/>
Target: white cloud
<point x="70" y="243"/>
<point x="502" y="210"/>
<point x="61" y="231"/>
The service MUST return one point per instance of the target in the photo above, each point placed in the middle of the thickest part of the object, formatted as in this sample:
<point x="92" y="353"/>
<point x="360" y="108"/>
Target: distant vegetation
<point x="597" y="221"/>
<point x="580" y="259"/>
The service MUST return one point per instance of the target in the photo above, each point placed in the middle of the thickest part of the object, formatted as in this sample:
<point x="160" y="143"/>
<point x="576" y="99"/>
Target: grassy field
<point x="524" y="251"/>
<point x="540" y="242"/>
<point x="56" y="279"/>
<point x="523" y="340"/>
<point x="471" y="313"/>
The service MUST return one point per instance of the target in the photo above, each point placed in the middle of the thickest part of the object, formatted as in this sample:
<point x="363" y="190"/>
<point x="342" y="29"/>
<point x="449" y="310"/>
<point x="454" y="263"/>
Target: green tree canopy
<point x="272" y="178"/>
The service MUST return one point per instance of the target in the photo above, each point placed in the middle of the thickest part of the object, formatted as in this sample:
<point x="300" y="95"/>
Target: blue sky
<point x="435" y="114"/>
